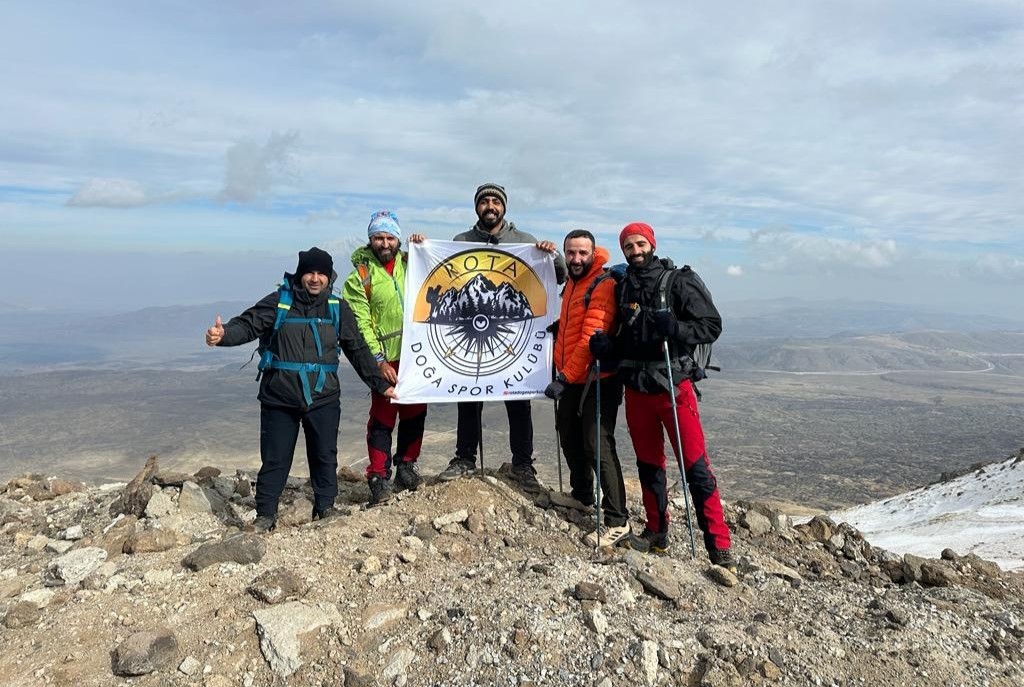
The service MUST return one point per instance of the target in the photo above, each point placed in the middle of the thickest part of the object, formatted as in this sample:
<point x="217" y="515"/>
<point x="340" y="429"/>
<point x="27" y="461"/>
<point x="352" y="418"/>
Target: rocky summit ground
<point x="158" y="582"/>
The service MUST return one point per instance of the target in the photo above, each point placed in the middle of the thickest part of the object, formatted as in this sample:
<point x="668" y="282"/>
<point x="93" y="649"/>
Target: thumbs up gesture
<point x="215" y="333"/>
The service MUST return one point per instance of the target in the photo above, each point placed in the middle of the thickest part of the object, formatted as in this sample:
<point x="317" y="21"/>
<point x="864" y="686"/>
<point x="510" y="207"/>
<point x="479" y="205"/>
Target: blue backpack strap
<point x="334" y="308"/>
<point x="284" y="303"/>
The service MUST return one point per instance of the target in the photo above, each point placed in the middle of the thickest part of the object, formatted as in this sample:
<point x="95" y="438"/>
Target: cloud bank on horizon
<point x="863" y="150"/>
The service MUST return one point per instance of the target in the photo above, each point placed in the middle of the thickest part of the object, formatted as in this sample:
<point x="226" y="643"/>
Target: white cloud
<point x="734" y="270"/>
<point x="993" y="267"/>
<point x="779" y="251"/>
<point x="110" y="193"/>
<point x="253" y="168"/>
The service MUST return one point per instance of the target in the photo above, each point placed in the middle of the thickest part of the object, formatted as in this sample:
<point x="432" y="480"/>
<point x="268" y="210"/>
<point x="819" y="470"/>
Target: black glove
<point x="666" y="324"/>
<point x="555" y="389"/>
<point x="601" y="345"/>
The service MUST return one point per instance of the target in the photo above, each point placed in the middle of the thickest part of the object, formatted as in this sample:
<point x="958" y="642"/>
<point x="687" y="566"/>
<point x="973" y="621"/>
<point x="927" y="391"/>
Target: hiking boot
<point x="328" y="513"/>
<point x="526" y="476"/>
<point x="647" y="542"/>
<point x="563" y="500"/>
<point x="723" y="558"/>
<point x="607" y="535"/>
<point x="264" y="523"/>
<point x="380" y="489"/>
<point x="407" y="476"/>
<point x="459" y="467"/>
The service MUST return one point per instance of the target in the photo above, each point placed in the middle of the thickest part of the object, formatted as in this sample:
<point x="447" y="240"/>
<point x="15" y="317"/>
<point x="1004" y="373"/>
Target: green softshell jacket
<point x="379" y="317"/>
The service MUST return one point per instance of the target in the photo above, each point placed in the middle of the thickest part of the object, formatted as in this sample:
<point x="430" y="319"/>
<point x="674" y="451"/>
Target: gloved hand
<point x="666" y="324"/>
<point x="555" y="389"/>
<point x="601" y="345"/>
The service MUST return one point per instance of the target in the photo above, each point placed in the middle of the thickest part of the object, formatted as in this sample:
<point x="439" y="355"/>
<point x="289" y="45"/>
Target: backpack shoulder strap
<point x="607" y="274"/>
<point x="284" y="303"/>
<point x="334" y="308"/>
<point x="664" y="286"/>
<point x="364" y="277"/>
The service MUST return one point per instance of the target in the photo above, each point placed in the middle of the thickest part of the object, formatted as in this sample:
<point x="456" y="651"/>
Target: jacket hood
<point x="505" y="228"/>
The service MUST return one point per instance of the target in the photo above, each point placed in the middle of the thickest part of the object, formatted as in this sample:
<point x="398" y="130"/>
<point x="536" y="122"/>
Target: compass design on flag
<point x="481" y="320"/>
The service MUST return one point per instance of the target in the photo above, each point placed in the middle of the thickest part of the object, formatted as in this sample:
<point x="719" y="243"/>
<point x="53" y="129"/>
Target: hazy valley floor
<point x="815" y="440"/>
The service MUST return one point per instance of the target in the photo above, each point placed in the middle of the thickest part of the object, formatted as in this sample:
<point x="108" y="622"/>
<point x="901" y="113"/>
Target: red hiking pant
<point x="383" y="415"/>
<point x="647" y="416"/>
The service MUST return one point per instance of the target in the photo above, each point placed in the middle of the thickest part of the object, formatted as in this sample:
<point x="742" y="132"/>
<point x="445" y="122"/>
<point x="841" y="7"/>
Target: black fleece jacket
<point x="688" y="300"/>
<point x="295" y="343"/>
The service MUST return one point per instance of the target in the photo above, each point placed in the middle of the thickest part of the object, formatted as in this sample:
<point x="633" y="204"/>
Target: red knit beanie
<point x="638" y="228"/>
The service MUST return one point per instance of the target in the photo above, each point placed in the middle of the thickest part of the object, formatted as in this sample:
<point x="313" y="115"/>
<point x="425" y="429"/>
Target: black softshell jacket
<point x="295" y="343"/>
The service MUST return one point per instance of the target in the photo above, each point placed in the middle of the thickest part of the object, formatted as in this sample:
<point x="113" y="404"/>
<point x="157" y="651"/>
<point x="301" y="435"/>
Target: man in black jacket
<point x="300" y="328"/>
<point x="661" y="309"/>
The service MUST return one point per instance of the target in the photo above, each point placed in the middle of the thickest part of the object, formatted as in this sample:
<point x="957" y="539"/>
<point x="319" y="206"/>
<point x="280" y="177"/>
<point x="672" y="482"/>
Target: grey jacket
<point x="509" y="234"/>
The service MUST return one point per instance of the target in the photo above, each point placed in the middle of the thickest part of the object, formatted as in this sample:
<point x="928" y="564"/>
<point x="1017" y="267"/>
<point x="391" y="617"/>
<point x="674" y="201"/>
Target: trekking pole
<point x="677" y="448"/>
<point x="597" y="446"/>
<point x="480" y="425"/>
<point x="558" y="448"/>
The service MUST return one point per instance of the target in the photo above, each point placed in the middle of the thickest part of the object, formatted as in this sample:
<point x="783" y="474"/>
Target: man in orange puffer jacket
<point x="586" y="310"/>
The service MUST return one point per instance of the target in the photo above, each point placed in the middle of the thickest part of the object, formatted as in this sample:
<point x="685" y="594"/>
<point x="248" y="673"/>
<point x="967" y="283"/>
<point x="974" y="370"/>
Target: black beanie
<point x="315" y="260"/>
<point x="490" y="190"/>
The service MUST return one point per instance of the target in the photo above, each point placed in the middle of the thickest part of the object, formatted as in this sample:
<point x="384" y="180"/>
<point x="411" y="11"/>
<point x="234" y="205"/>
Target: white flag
<point x="476" y="318"/>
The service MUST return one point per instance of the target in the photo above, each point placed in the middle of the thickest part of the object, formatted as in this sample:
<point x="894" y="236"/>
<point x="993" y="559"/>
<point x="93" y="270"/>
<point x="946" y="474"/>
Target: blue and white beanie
<point x="384" y="221"/>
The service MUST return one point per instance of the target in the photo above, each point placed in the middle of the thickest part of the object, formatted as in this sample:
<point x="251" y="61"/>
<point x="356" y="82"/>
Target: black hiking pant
<point x="279" y="430"/>
<point x="520" y="431"/>
<point x="579" y="435"/>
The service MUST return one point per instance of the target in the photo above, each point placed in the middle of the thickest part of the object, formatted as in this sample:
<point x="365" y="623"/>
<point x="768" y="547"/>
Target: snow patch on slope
<point x="981" y="512"/>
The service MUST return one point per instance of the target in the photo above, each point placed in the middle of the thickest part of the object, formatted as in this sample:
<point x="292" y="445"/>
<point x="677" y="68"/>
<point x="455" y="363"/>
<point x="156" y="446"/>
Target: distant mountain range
<point x="777" y="335"/>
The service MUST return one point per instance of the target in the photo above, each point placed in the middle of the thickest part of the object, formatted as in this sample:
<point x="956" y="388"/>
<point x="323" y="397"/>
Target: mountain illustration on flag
<point x="479" y="296"/>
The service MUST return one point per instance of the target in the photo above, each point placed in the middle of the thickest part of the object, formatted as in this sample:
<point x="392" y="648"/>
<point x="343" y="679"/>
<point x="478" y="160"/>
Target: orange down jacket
<point x="576" y="324"/>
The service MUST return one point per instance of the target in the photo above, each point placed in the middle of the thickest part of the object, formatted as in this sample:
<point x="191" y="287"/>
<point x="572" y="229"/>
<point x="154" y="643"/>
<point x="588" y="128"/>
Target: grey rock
<point x="595" y="618"/>
<point x="193" y="499"/>
<point x="145" y="652"/>
<point x="376" y="616"/>
<point x="22" y="614"/>
<point x="590" y="590"/>
<point x="238" y="548"/>
<point x="279" y="628"/>
<point x="39" y="597"/>
<point x="150" y="541"/>
<point x="160" y="505"/>
<point x="722" y="576"/>
<point x="912" y="567"/>
<point x="400" y="661"/>
<point x="73" y="533"/>
<point x="937" y="574"/>
<point x="649" y="661"/>
<point x="136" y="494"/>
<point x="74" y="566"/>
<point x="658" y="585"/>
<point x="455" y="517"/>
<point x="757" y="523"/>
<point x="59" y="546"/>
<point x="190" y="666"/>
<point x="275" y="586"/>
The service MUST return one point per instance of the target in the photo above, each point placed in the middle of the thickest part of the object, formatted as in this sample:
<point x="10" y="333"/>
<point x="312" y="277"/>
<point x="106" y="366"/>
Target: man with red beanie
<point x="658" y="303"/>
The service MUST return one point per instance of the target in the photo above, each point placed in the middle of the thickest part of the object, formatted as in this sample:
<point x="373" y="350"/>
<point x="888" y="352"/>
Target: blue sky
<point x="160" y="152"/>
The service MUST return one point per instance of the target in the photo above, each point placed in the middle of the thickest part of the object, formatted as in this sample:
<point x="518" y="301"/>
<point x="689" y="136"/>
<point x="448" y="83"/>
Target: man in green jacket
<point x="375" y="290"/>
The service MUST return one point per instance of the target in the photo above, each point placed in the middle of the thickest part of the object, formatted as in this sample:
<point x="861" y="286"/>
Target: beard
<point x="489" y="220"/>
<point x="577" y="271"/>
<point x="642" y="259"/>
